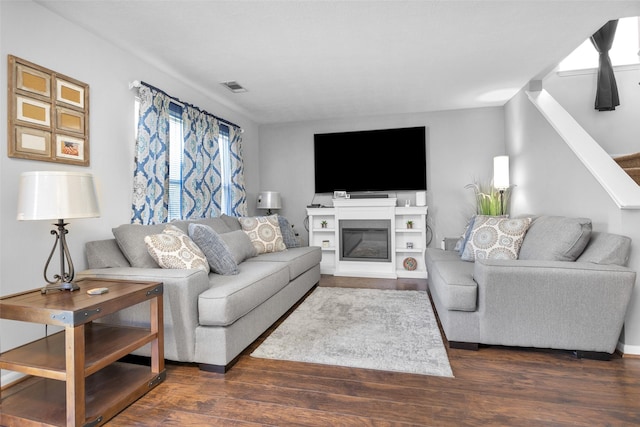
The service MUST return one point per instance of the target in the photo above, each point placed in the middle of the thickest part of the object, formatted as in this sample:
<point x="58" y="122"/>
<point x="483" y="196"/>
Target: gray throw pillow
<point x="214" y="248"/>
<point x="556" y="238"/>
<point x="288" y="235"/>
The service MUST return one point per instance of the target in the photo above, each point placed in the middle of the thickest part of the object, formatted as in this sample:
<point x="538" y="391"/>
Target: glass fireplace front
<point x="365" y="240"/>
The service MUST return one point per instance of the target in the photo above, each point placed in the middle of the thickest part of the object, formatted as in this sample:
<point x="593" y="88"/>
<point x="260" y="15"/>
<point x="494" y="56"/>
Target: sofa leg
<point x="218" y="369"/>
<point x="593" y="355"/>
<point x="464" y="345"/>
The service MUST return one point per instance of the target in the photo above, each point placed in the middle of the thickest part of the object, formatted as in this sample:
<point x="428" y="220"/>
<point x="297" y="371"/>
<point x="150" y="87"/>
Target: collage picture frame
<point x="48" y="115"/>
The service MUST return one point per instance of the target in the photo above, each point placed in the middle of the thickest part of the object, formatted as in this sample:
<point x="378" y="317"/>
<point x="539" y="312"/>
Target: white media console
<point x="370" y="238"/>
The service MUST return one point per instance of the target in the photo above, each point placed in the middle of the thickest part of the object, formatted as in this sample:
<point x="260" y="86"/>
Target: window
<point x="225" y="172"/>
<point x="176" y="150"/>
<point x="175" y="161"/>
<point x="623" y="52"/>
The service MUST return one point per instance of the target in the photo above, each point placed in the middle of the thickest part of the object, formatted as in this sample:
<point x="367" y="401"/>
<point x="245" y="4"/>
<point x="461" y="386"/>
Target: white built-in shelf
<point x="366" y="209"/>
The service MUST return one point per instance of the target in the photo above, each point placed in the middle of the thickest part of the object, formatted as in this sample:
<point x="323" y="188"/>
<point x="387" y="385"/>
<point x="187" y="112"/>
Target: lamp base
<point x="60" y="286"/>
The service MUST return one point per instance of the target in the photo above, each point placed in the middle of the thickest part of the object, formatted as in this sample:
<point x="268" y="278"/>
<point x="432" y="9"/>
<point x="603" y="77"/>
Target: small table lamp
<point x="269" y="200"/>
<point x="49" y="195"/>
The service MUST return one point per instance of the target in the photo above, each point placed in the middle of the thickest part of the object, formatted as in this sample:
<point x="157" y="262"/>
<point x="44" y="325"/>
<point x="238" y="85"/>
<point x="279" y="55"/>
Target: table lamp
<point x="269" y="200"/>
<point x="49" y="195"/>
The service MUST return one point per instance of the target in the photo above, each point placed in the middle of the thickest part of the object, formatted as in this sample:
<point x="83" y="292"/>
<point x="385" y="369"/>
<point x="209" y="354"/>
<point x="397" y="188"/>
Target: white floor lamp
<point x="501" y="177"/>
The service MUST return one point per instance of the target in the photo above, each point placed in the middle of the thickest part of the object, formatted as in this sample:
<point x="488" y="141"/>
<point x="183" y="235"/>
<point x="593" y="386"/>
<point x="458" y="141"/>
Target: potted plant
<point x="409" y="224"/>
<point x="490" y="200"/>
<point x="323" y="224"/>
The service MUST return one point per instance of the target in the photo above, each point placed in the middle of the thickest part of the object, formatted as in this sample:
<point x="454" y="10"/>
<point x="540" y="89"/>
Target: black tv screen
<point x="372" y="160"/>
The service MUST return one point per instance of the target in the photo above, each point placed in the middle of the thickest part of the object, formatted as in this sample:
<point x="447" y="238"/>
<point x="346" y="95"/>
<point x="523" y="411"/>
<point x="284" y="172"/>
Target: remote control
<point x="98" y="291"/>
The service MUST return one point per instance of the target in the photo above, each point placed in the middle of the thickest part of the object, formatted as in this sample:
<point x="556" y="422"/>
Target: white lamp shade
<point x="56" y="195"/>
<point x="501" y="172"/>
<point x="269" y="200"/>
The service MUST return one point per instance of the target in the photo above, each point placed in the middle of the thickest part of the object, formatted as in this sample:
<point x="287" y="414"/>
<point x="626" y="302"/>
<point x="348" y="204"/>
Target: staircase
<point x="631" y="165"/>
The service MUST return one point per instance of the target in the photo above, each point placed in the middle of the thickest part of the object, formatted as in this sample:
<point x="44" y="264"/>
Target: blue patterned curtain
<point x="238" y="191"/>
<point x="201" y="194"/>
<point x="151" y="175"/>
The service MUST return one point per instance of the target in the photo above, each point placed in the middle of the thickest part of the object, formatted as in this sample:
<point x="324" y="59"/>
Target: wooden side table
<point x="76" y="377"/>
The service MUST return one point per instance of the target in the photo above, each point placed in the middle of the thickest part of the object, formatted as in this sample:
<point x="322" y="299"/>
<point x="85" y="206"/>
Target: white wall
<point x="24" y="246"/>
<point x="616" y="131"/>
<point x="551" y="180"/>
<point x="461" y="145"/>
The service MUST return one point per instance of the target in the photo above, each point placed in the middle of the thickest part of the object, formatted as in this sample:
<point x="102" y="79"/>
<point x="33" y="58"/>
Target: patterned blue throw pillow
<point x="288" y="235"/>
<point x="215" y="249"/>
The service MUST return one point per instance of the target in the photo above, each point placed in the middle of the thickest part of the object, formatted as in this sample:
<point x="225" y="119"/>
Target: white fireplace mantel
<point x="324" y="231"/>
<point x="363" y="203"/>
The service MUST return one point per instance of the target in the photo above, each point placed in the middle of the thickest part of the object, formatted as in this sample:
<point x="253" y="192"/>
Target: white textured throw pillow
<point x="264" y="232"/>
<point x="495" y="238"/>
<point x="174" y="249"/>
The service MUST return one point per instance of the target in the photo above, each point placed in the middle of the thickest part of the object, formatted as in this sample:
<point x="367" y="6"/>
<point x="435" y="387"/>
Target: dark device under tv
<point x="372" y="160"/>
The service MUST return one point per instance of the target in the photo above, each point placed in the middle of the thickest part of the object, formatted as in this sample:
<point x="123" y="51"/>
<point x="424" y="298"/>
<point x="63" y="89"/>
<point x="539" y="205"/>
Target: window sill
<point x="569" y="73"/>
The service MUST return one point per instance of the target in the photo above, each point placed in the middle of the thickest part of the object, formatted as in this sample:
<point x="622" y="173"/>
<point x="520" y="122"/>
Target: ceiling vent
<point x="234" y="86"/>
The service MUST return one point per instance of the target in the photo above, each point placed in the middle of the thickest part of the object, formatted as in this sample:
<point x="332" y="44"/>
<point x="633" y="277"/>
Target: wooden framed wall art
<point x="48" y="115"/>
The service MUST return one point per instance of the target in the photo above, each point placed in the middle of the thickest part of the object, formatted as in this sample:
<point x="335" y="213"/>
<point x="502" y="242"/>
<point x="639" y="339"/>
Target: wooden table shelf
<point x="76" y="377"/>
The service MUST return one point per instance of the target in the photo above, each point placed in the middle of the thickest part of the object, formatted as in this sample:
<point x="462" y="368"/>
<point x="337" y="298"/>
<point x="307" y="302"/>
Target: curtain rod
<point x="138" y="83"/>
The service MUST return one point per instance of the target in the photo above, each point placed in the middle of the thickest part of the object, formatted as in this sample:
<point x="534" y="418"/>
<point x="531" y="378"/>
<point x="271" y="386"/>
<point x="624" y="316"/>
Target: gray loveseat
<point x="209" y="319"/>
<point x="568" y="290"/>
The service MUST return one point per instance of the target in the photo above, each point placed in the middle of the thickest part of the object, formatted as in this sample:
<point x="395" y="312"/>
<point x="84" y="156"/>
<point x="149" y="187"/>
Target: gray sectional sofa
<point x="211" y="318"/>
<point x="569" y="289"/>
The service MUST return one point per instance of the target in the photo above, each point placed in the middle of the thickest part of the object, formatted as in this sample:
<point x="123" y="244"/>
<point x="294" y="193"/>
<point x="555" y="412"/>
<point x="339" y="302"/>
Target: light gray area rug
<point x="387" y="330"/>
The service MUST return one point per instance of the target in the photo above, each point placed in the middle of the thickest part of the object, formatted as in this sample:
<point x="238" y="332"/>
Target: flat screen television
<point x="371" y="160"/>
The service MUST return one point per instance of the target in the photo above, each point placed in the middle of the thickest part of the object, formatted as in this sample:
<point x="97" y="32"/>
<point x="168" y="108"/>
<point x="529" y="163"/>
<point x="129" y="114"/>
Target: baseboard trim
<point x="628" y="350"/>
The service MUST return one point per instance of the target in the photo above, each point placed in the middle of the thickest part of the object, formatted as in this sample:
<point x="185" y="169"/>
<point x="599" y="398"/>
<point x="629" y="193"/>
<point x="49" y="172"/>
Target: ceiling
<point x="311" y="60"/>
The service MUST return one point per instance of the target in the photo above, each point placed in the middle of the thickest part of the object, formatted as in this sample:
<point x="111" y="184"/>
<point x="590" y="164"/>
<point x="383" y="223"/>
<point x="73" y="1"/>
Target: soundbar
<point x="369" y="196"/>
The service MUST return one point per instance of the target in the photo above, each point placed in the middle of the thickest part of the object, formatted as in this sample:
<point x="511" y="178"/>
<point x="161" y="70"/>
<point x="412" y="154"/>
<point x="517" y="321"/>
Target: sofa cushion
<point x="231" y="222"/>
<point x="217" y="224"/>
<point x="231" y="297"/>
<point x="495" y="238"/>
<point x="556" y="238"/>
<point x="174" y="249"/>
<point x="214" y="248"/>
<point x="130" y="238"/>
<point x="607" y="248"/>
<point x="240" y="245"/>
<point x="452" y="279"/>
<point x="105" y="254"/>
<point x="298" y="260"/>
<point x="264" y="232"/>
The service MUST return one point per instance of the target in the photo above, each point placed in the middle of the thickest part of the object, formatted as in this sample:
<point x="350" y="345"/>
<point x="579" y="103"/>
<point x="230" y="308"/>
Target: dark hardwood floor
<point x="493" y="386"/>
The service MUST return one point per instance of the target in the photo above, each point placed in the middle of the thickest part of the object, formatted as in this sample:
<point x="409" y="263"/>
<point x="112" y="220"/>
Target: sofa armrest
<point x="553" y="304"/>
<point x="181" y="291"/>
